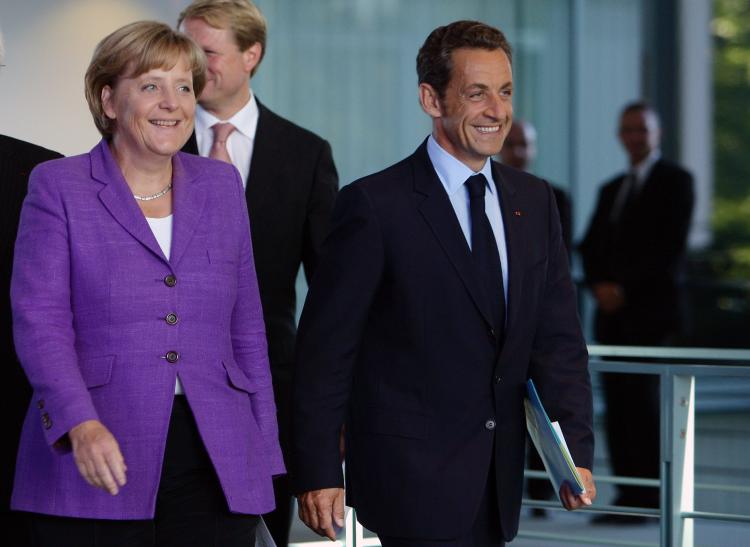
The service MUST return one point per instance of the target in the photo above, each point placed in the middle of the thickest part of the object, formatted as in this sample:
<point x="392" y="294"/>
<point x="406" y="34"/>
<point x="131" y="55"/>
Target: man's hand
<point x="570" y="501"/>
<point x="322" y="509"/>
<point x="98" y="456"/>
<point x="609" y="296"/>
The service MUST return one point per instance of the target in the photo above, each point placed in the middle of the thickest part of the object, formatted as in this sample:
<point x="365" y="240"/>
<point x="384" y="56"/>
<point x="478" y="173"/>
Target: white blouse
<point x="162" y="229"/>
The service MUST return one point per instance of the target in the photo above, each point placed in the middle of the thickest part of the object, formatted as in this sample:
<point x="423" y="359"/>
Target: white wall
<point x="48" y="45"/>
<point x="346" y="70"/>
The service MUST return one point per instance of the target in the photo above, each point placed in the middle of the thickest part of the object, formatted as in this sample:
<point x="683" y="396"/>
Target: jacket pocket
<point x="96" y="371"/>
<point x="218" y="258"/>
<point x="239" y="379"/>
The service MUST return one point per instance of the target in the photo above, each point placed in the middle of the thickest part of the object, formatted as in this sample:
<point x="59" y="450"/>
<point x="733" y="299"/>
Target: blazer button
<point x="46" y="422"/>
<point x="497" y="379"/>
<point x="40" y="404"/>
<point x="490" y="424"/>
<point x="491" y="333"/>
<point x="171" y="319"/>
<point x="172" y="357"/>
<point x="170" y="280"/>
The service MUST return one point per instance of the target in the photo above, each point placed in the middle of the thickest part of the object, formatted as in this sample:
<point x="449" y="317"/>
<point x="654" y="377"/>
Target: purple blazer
<point x="90" y="293"/>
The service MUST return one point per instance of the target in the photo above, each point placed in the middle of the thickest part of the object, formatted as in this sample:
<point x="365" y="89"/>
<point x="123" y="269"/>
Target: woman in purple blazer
<point x="138" y="322"/>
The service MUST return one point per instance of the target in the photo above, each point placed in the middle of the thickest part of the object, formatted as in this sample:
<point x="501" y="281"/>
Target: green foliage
<point x="731" y="220"/>
<point x="731" y="247"/>
<point x="731" y="29"/>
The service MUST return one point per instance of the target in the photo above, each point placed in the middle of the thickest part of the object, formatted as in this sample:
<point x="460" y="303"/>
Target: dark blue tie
<point x="484" y="251"/>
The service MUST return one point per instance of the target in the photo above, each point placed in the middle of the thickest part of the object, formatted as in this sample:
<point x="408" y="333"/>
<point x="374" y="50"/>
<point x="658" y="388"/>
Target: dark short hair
<point x="640" y="106"/>
<point x="435" y="62"/>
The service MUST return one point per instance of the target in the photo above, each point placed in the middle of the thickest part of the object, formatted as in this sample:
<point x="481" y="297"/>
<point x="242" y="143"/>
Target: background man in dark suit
<point x="632" y="256"/>
<point x="442" y="287"/>
<point x="17" y="159"/>
<point x="290" y="185"/>
<point x="519" y="151"/>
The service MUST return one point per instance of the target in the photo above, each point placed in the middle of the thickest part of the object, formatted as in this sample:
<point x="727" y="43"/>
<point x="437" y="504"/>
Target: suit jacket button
<point x="497" y="379"/>
<point x="171" y="319"/>
<point x="170" y="280"/>
<point x="490" y="424"/>
<point x="172" y="357"/>
<point x="40" y="404"/>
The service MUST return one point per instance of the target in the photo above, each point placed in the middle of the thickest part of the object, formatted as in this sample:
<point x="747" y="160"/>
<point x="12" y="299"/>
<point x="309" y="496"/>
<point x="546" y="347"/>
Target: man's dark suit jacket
<point x="291" y="189"/>
<point x="643" y="251"/>
<point x="396" y="341"/>
<point x="17" y="159"/>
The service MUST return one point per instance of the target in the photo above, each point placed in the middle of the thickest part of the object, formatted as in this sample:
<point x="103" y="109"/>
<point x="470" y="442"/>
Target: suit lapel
<point x="262" y="161"/>
<point x="438" y="212"/>
<point x="514" y="243"/>
<point x="189" y="201"/>
<point x="118" y="199"/>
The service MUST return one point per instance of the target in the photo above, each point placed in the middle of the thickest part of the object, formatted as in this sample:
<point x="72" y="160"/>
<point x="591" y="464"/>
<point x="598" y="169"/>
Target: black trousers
<point x="191" y="510"/>
<point x="279" y="521"/>
<point x="632" y="421"/>
<point x="486" y="531"/>
<point x="632" y="417"/>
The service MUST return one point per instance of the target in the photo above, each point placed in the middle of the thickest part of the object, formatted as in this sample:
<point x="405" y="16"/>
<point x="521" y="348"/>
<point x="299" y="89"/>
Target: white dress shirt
<point x="636" y="175"/>
<point x="240" y="141"/>
<point x="453" y="174"/>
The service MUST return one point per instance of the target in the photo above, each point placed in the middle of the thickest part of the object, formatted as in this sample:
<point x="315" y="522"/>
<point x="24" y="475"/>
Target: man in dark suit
<point x="519" y="152"/>
<point x="632" y="255"/>
<point x="443" y="286"/>
<point x="290" y="185"/>
<point x="17" y="159"/>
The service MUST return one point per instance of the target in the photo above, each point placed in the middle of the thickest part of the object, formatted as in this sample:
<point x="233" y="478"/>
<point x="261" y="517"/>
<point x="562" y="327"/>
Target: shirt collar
<point x="643" y="169"/>
<point x="452" y="172"/>
<point x="245" y="120"/>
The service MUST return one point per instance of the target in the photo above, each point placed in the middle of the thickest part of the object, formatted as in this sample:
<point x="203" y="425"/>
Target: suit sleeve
<point x="559" y="360"/>
<point x="331" y="328"/>
<point x="322" y="196"/>
<point x="249" y="338"/>
<point x="42" y="313"/>
<point x="595" y="270"/>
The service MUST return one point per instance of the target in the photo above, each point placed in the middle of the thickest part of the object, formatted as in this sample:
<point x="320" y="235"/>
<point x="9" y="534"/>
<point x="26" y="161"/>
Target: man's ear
<point x="107" y="106"/>
<point x="430" y="101"/>
<point x="251" y="56"/>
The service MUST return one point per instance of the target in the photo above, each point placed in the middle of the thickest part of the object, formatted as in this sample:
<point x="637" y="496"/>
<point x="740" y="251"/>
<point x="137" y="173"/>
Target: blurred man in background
<point x="632" y="254"/>
<point x="290" y="186"/>
<point x="17" y="159"/>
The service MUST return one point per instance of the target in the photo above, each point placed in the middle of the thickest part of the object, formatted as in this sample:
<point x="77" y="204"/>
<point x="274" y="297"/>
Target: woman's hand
<point x="98" y="456"/>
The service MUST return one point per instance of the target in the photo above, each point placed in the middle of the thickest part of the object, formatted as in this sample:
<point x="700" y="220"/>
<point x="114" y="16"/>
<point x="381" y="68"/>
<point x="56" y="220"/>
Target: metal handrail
<point x="670" y="364"/>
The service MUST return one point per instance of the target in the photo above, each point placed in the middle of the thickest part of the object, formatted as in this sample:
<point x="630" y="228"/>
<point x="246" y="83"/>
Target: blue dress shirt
<point x="453" y="174"/>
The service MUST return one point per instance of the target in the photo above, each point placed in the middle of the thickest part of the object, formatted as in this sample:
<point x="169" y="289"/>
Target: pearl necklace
<point x="158" y="194"/>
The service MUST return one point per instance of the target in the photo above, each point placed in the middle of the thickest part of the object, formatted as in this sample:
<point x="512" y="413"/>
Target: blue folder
<point x="550" y="443"/>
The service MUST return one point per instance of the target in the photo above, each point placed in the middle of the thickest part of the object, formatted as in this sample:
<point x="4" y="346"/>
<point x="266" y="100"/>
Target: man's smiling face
<point x="477" y="110"/>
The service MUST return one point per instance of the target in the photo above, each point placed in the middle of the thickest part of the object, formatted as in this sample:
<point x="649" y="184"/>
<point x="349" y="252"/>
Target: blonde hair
<point x="242" y="17"/>
<point x="132" y="50"/>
